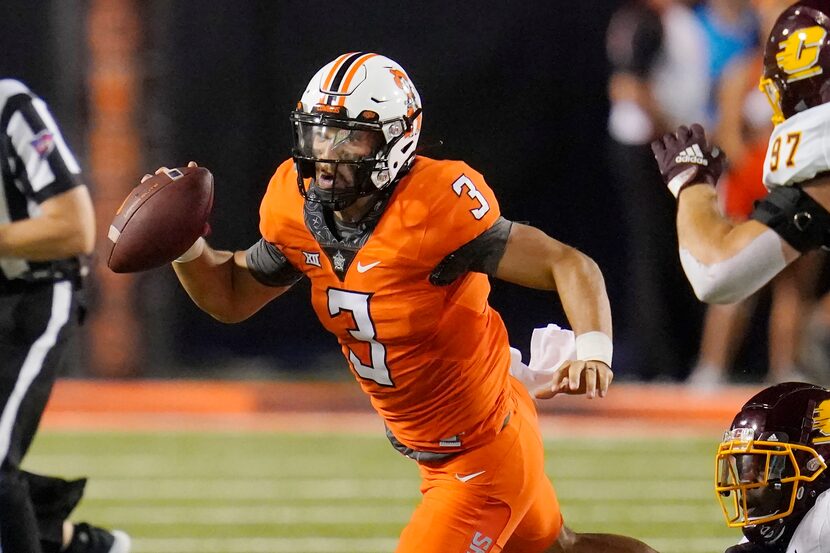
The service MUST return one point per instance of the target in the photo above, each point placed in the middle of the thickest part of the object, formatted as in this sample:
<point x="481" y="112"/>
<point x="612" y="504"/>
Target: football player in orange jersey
<point x="398" y="249"/>
<point x="727" y="262"/>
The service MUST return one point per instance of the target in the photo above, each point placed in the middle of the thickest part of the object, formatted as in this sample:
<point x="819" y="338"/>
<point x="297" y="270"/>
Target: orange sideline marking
<point x="629" y="409"/>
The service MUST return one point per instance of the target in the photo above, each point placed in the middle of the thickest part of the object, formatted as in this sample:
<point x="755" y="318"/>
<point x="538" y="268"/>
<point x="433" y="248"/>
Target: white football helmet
<point x="355" y="129"/>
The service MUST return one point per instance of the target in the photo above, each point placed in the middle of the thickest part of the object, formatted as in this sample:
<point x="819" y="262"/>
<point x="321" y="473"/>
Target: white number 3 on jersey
<point x="357" y="304"/>
<point x="472" y="191"/>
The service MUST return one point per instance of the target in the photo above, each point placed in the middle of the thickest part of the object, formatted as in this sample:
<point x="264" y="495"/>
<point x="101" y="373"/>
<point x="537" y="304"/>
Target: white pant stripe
<point x="61" y="304"/>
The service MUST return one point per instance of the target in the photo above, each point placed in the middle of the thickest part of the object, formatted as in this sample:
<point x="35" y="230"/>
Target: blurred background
<point x="537" y="96"/>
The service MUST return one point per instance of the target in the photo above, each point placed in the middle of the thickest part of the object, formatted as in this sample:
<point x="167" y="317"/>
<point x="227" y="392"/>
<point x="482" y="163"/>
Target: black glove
<point x="685" y="157"/>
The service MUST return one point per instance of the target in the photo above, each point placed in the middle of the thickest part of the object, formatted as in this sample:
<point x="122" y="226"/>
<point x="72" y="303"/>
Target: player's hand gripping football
<point x="579" y="377"/>
<point x="196" y="249"/>
<point x="685" y="157"/>
<point x="163" y="169"/>
<point x="159" y="219"/>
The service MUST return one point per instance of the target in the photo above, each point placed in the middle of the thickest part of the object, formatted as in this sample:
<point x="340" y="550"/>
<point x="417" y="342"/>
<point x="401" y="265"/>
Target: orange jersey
<point x="743" y="184"/>
<point x="433" y="359"/>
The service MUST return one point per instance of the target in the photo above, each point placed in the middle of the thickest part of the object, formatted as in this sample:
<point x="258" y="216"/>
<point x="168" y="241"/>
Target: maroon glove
<point x="685" y="157"/>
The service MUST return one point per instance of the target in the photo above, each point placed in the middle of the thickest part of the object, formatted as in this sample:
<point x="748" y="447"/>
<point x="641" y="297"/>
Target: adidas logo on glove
<point x="692" y="154"/>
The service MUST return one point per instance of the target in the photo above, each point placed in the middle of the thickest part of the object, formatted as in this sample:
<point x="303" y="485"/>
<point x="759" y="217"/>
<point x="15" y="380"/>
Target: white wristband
<point x="594" y="346"/>
<point x="681" y="180"/>
<point x="192" y="252"/>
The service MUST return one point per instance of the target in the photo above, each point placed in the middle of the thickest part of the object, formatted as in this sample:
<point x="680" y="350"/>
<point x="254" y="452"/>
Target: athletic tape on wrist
<point x="681" y="180"/>
<point x="192" y="252"/>
<point x="594" y="346"/>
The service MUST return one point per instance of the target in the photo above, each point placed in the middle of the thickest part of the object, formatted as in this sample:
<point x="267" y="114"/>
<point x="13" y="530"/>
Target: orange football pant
<point x="490" y="499"/>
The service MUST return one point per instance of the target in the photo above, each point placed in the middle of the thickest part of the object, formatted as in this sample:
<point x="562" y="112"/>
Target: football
<point x="160" y="219"/>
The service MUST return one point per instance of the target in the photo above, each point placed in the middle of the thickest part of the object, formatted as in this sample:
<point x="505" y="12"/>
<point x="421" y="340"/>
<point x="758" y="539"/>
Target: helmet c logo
<point x="798" y="55"/>
<point x="821" y="420"/>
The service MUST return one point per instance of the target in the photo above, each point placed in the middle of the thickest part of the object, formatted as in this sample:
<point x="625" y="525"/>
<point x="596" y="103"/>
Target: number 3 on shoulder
<point x="464" y="182"/>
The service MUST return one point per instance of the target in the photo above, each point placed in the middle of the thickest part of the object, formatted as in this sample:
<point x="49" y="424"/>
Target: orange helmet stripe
<point x="332" y="73"/>
<point x="350" y="75"/>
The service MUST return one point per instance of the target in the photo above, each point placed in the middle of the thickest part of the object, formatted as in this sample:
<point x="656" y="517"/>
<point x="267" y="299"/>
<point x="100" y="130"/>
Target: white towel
<point x="550" y="347"/>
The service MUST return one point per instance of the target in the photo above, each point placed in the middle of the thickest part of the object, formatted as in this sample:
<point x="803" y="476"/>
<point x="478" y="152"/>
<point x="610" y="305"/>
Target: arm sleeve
<point x="269" y="266"/>
<point x="796" y="217"/>
<point x="481" y="255"/>
<point x="739" y="276"/>
<point x="37" y="158"/>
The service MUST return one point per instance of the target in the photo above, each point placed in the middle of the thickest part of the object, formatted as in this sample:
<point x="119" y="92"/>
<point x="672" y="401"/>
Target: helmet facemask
<point x="773" y="96"/>
<point x="758" y="481"/>
<point x="336" y="158"/>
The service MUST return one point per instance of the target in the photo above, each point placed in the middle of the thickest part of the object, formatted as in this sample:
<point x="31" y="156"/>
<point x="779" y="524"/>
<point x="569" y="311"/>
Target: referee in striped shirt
<point x="47" y="226"/>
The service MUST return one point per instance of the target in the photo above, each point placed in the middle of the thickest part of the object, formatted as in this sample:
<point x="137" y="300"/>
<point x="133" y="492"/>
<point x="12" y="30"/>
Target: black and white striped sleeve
<point x="36" y="158"/>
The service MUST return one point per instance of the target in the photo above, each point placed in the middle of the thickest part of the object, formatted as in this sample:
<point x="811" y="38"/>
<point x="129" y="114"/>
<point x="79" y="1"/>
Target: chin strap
<point x="772" y="537"/>
<point x="775" y="536"/>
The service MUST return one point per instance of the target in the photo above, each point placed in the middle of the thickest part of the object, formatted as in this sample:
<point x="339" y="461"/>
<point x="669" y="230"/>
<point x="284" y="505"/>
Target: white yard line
<point x="250" y="515"/>
<point x="337" y="488"/>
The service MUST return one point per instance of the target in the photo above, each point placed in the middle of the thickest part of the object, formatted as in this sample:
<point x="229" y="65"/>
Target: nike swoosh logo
<point x="468" y="477"/>
<point x="361" y="268"/>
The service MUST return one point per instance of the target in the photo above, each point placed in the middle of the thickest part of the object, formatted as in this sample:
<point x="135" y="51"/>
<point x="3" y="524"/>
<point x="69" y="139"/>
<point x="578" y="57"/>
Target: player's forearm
<point x="582" y="292"/>
<point x="64" y="228"/>
<point x="533" y="259"/>
<point x="220" y="283"/>
<point x="208" y="280"/>
<point x="708" y="235"/>
<point x="701" y="229"/>
<point x="46" y="238"/>
<point x="723" y="262"/>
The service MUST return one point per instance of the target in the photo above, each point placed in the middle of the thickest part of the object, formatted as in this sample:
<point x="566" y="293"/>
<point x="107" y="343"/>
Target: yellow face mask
<point x="773" y="96"/>
<point x="759" y="481"/>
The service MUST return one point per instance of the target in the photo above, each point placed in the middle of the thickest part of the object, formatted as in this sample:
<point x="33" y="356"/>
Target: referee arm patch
<point x="796" y="217"/>
<point x="43" y="164"/>
<point x="269" y="266"/>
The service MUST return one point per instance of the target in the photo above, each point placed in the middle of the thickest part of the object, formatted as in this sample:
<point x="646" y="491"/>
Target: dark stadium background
<point x="516" y="89"/>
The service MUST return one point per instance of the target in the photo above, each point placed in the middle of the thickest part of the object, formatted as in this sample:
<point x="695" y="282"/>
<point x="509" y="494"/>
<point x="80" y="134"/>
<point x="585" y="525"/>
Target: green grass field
<point x="263" y="492"/>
